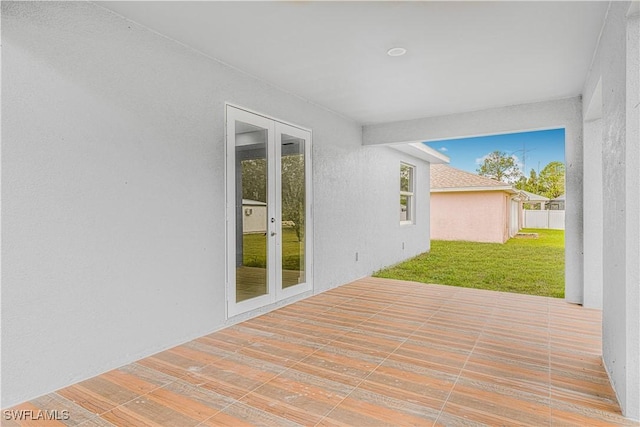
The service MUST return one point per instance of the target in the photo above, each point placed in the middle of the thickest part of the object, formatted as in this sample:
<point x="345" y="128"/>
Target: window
<point x="407" y="196"/>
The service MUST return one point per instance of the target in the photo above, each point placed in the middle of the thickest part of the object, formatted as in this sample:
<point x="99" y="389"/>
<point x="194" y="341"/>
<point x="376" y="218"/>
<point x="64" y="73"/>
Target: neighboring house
<point x="254" y="216"/>
<point x="466" y="206"/>
<point x="124" y="125"/>
<point x="534" y="201"/>
<point x="556" y="204"/>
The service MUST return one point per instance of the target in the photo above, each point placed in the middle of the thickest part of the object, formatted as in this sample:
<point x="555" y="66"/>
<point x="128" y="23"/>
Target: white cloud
<point x="480" y="160"/>
<point x="443" y="149"/>
<point x="517" y="161"/>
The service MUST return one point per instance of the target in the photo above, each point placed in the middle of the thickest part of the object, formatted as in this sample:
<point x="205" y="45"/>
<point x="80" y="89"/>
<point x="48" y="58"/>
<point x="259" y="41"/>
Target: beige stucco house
<point x="465" y="206"/>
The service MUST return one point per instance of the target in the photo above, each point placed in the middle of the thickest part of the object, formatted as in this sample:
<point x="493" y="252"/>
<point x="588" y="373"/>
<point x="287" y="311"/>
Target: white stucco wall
<point x="616" y="65"/>
<point x="632" y="221"/>
<point x="632" y="191"/>
<point x="565" y="113"/>
<point x="592" y="231"/>
<point x="113" y="190"/>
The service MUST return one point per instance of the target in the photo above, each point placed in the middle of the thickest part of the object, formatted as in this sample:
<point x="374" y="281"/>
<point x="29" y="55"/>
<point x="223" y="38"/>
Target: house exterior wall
<point x="632" y="220"/>
<point x="113" y="193"/>
<point x="476" y="216"/>
<point x="616" y="66"/>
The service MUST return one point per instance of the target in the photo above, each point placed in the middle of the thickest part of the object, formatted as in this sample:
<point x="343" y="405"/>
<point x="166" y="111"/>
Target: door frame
<point x="275" y="292"/>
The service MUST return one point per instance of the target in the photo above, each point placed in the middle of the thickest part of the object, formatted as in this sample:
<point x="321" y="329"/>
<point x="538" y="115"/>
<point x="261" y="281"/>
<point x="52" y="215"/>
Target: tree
<point x="254" y="187"/>
<point x="533" y="184"/>
<point x="500" y="166"/>
<point x="530" y="184"/>
<point x="254" y="179"/>
<point x="552" y="180"/>
<point x="293" y="192"/>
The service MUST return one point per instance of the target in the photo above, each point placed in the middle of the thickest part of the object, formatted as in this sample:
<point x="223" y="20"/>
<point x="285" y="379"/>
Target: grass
<point x="526" y="266"/>
<point x="254" y="250"/>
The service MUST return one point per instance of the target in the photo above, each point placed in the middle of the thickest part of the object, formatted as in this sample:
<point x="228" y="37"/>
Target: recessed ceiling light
<point x="396" y="51"/>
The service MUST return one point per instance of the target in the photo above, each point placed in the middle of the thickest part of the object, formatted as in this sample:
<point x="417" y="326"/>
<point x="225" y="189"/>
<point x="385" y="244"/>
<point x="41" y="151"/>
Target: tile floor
<point x="375" y="352"/>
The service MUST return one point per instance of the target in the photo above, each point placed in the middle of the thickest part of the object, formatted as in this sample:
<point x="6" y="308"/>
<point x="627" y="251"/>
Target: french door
<point x="268" y="210"/>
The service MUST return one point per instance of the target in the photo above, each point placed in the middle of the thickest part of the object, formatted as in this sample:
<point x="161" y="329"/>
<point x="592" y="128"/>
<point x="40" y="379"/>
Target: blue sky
<point x="541" y="148"/>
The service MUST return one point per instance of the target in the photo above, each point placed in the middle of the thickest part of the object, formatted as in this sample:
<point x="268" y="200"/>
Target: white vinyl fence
<point x="544" y="219"/>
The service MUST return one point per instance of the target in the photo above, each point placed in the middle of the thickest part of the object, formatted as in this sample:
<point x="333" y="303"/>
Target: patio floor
<point x="373" y="352"/>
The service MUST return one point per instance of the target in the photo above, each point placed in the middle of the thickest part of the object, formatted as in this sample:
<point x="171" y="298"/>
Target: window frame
<point x="410" y="194"/>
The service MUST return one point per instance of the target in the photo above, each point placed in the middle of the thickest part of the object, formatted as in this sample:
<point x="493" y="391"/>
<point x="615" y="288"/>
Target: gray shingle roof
<point x="444" y="176"/>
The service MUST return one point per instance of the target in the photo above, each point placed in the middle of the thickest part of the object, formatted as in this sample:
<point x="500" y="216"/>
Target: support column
<point x="593" y="230"/>
<point x="631" y="407"/>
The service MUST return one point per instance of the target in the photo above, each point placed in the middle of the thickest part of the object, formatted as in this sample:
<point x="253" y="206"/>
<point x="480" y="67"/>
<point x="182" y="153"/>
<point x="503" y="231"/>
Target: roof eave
<point x="420" y="151"/>
<point x="461" y="189"/>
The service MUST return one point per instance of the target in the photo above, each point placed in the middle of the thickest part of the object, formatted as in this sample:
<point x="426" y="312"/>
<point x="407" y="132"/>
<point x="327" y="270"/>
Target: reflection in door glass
<point x="251" y="211"/>
<point x="293" y="210"/>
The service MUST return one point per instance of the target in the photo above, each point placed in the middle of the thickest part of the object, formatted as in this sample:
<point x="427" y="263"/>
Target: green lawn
<point x="526" y="266"/>
<point x="255" y="250"/>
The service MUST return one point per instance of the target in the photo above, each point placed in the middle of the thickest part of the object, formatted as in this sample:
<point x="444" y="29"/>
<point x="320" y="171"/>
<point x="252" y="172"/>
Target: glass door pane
<point x="252" y="254"/>
<point x="268" y="211"/>
<point x="293" y="209"/>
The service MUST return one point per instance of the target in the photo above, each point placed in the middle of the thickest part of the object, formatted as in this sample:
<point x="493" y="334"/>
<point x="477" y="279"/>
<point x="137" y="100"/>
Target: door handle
<point x="273" y="233"/>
